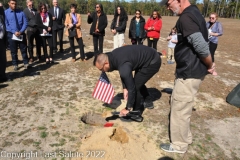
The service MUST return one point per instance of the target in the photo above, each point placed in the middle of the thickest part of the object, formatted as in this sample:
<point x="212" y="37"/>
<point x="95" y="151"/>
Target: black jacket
<point x="58" y="23"/>
<point x="121" y="26"/>
<point x="102" y="24"/>
<point x="31" y="18"/>
<point x="40" y="23"/>
<point x="131" y="58"/>
<point x="132" y="28"/>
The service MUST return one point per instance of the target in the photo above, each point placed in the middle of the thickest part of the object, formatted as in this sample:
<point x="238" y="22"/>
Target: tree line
<point x="224" y="8"/>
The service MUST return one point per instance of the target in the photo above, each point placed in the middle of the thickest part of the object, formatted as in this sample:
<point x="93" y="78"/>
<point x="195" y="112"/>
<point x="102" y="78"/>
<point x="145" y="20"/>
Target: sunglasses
<point x="168" y="4"/>
<point x="43" y="8"/>
<point x="137" y="13"/>
<point x="212" y="17"/>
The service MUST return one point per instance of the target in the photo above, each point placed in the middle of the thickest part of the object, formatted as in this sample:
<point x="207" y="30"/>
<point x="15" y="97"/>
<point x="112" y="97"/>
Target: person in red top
<point x="153" y="27"/>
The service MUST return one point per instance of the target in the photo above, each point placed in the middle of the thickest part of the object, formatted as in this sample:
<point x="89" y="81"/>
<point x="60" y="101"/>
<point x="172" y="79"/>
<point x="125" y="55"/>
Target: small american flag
<point x="104" y="90"/>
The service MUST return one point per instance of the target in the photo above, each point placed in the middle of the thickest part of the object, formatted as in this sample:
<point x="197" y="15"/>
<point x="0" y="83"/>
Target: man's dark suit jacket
<point x="58" y="23"/>
<point x="31" y="18"/>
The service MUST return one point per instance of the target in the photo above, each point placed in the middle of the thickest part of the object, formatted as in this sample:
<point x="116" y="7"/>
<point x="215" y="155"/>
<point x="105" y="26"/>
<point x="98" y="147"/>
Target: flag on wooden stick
<point x="104" y="90"/>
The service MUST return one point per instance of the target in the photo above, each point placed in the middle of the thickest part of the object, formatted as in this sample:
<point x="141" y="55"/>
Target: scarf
<point x="74" y="18"/>
<point x="44" y="16"/>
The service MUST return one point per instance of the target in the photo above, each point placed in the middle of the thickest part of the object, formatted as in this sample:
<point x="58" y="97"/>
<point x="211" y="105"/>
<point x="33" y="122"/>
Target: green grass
<point x="43" y="134"/>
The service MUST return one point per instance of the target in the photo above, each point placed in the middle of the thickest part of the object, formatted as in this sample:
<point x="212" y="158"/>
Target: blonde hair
<point x="214" y="13"/>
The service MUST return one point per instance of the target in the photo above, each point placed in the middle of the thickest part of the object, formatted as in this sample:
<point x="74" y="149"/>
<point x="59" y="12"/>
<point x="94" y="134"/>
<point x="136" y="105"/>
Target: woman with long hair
<point x="44" y="22"/>
<point x="118" y="26"/>
<point x="136" y="30"/>
<point x="153" y="27"/>
<point x="73" y="22"/>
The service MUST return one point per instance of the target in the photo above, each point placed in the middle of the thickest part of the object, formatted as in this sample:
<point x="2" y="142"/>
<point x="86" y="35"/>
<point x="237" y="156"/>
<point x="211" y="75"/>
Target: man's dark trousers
<point x="140" y="78"/>
<point x="3" y="60"/>
<point x="14" y="49"/>
<point x="58" y="32"/>
<point x="33" y="33"/>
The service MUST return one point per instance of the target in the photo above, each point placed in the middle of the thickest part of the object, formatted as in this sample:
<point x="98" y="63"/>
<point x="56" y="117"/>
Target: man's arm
<point x="25" y="23"/>
<point x="201" y="47"/>
<point x="125" y="72"/>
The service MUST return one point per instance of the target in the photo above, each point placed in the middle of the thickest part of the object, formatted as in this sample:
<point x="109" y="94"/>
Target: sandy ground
<point x="41" y="107"/>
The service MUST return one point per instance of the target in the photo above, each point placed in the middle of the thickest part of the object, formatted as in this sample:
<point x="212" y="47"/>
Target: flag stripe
<point x="103" y="90"/>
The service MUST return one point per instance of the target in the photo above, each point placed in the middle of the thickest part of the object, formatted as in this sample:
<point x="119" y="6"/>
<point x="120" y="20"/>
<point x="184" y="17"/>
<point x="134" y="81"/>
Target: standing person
<point x="45" y="22"/>
<point x="153" y="27"/>
<point x="58" y="17"/>
<point x="99" y="22"/>
<point x="193" y="61"/>
<point x="136" y="30"/>
<point x="16" y="24"/>
<point x="145" y="61"/>
<point x="172" y="41"/>
<point x="3" y="40"/>
<point x="73" y="22"/>
<point x="118" y="26"/>
<point x="215" y="29"/>
<point x="32" y="31"/>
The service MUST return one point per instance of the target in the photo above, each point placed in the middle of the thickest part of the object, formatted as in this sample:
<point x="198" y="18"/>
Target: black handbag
<point x="72" y="32"/>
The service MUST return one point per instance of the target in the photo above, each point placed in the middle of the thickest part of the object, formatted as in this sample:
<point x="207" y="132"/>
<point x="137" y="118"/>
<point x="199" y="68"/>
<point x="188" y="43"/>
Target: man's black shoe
<point x="5" y="80"/>
<point x="148" y="103"/>
<point x="135" y="116"/>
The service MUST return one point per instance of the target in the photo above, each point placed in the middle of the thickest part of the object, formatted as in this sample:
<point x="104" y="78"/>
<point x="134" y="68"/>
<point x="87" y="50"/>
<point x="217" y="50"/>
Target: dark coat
<point x="121" y="26"/>
<point x="132" y="28"/>
<point x="31" y="18"/>
<point x="40" y="23"/>
<point x="58" y="23"/>
<point x="102" y="24"/>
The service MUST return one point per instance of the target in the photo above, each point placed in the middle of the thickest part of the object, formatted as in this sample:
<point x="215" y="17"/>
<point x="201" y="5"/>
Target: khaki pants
<point x="182" y="100"/>
<point x="118" y="40"/>
<point x="170" y="54"/>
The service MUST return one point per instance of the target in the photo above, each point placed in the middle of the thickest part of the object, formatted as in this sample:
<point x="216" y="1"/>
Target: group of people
<point x="194" y="58"/>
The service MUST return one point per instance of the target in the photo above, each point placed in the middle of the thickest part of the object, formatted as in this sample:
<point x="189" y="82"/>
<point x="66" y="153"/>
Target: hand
<point x="17" y="34"/>
<point x="49" y="29"/>
<point x="44" y="31"/>
<point x="125" y="94"/>
<point x="97" y="30"/>
<point x="149" y="28"/>
<point x="113" y="31"/>
<point x="70" y="26"/>
<point x="212" y="69"/>
<point x="53" y="18"/>
<point x="124" y="112"/>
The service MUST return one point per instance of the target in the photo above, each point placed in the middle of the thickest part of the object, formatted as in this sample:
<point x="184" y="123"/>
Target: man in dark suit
<point x="3" y="40"/>
<point x="32" y="31"/>
<point x="58" y="25"/>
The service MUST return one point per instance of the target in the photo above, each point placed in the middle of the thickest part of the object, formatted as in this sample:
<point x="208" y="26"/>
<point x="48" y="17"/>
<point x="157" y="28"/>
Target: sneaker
<point x="170" y="62"/>
<point x="167" y="148"/>
<point x="26" y="66"/>
<point x="15" y="68"/>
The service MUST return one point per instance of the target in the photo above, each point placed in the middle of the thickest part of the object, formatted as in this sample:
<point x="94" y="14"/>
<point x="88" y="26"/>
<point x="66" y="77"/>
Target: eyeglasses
<point x="43" y="8"/>
<point x="212" y="17"/>
<point x="137" y="13"/>
<point x="168" y="4"/>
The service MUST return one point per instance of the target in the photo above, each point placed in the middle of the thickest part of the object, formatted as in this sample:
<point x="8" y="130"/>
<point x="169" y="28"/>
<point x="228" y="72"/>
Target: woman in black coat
<point x="136" y="30"/>
<point x="44" y="22"/>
